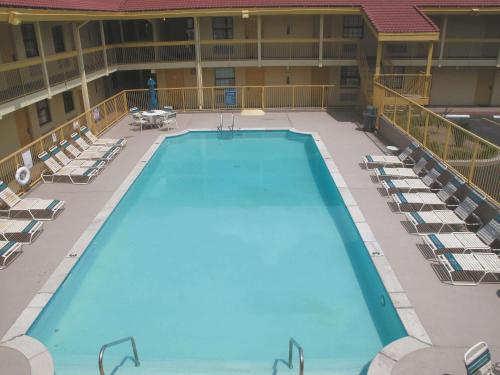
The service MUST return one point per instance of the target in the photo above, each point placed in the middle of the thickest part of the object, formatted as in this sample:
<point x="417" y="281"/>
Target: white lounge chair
<point x="431" y="177"/>
<point x="169" y="118"/>
<point x="417" y="201"/>
<point x="87" y="155"/>
<point x="40" y="209"/>
<point x="410" y="185"/>
<point x="80" y="142"/>
<point x="9" y="250"/>
<point x="440" y="220"/>
<point x="460" y="242"/>
<point x="478" y="360"/>
<point x="383" y="173"/>
<point x="427" y="200"/>
<point x="23" y="231"/>
<point x="470" y="269"/>
<point x="374" y="161"/>
<point x="56" y="172"/>
<point x="120" y="142"/>
<point x="65" y="161"/>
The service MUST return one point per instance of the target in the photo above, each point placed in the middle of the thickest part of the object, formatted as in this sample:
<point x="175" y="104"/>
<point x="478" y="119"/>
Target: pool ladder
<point x="220" y="127"/>
<point x="291" y="344"/>
<point x="118" y="342"/>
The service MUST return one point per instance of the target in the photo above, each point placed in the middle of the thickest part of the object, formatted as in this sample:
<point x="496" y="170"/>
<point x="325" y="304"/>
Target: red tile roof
<point x="387" y="16"/>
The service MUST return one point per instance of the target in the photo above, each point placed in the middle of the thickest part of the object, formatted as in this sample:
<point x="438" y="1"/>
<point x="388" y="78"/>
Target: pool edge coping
<point x="42" y="363"/>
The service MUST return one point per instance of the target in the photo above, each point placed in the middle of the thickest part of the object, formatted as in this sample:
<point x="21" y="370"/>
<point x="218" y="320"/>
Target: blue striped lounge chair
<point x="402" y="160"/>
<point x="486" y="239"/>
<point x="65" y="161"/>
<point x="119" y="142"/>
<point x="478" y="360"/>
<point x="23" y="231"/>
<point x="83" y="145"/>
<point x="410" y="185"/>
<point x="34" y="208"/>
<point x="441" y="220"/>
<point x="384" y="173"/>
<point x="427" y="200"/>
<point x="56" y="172"/>
<point x="470" y="269"/>
<point x="9" y="250"/>
<point x="76" y="153"/>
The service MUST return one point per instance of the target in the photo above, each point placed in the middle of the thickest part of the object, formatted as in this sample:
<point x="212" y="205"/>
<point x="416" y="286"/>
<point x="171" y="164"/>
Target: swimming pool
<point x="221" y="250"/>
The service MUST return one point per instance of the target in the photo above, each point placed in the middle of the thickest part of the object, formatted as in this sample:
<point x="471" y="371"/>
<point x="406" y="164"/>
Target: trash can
<point x="369" y="118"/>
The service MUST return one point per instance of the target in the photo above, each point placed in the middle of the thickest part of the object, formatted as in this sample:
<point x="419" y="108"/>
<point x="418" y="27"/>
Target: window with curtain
<point x="69" y="104"/>
<point x="349" y="77"/>
<point x="222" y="27"/>
<point x="353" y="27"/>
<point x="58" y="39"/>
<point x="224" y="77"/>
<point x="29" y="40"/>
<point x="43" y="112"/>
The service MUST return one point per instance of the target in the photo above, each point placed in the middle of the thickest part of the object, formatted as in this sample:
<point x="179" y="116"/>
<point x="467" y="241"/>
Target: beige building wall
<point x="290" y="26"/>
<point x="9" y="139"/>
<point x="451" y="86"/>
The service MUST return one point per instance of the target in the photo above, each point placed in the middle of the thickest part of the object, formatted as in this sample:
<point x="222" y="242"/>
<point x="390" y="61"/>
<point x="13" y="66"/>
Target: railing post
<point x="183" y="99"/>
<point x="323" y="97"/>
<point x="293" y="97"/>
<point x="395" y="109"/>
<point x="473" y="161"/>
<point x="263" y="97"/>
<point x="447" y="143"/>
<point x="213" y="97"/>
<point x="426" y="129"/>
<point x="125" y="101"/>
<point x="408" y="121"/>
<point x="243" y="97"/>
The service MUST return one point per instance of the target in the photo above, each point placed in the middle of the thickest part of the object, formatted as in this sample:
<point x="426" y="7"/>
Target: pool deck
<point x="455" y="317"/>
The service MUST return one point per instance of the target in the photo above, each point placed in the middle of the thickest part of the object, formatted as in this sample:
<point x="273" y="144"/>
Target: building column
<point x="443" y="38"/>
<point x="104" y="50"/>
<point x="81" y="66"/>
<point x="199" y="70"/>
<point x="321" y="27"/>
<point x="379" y="59"/>
<point x="428" y="69"/>
<point x="498" y="58"/>
<point x="45" y="71"/>
<point x="259" y="41"/>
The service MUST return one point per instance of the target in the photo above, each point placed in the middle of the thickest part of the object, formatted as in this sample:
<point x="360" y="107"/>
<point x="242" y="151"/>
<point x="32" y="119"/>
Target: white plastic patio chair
<point x="478" y="360"/>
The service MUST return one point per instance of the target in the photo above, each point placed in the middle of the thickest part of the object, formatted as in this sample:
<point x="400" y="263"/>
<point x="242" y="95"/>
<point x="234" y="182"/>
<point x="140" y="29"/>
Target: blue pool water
<point x="222" y="250"/>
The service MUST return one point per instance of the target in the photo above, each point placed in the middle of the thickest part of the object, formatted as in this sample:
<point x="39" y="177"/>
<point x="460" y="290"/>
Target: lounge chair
<point x="410" y="185"/>
<point x="417" y="201"/>
<point x="87" y="155"/>
<point x="485" y="239"/>
<point x="439" y="220"/>
<point x="383" y="173"/>
<point x="427" y="200"/>
<point x="56" y="172"/>
<point x="23" y="231"/>
<point x="431" y="178"/>
<point x="478" y="360"/>
<point x="80" y="142"/>
<point x="34" y="208"/>
<point x="9" y="250"/>
<point x="120" y="142"/>
<point x="65" y="161"/>
<point x="402" y="160"/>
<point x="470" y="269"/>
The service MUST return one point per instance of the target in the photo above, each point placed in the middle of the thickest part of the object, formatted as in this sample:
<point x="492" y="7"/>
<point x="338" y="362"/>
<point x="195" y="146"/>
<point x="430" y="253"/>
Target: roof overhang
<point x="408" y="37"/>
<point x="471" y="10"/>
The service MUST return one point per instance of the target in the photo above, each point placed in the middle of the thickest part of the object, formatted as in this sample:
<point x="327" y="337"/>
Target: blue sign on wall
<point x="230" y="97"/>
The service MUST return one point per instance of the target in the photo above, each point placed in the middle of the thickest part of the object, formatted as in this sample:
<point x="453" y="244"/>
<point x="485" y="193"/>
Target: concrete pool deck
<point x="454" y="317"/>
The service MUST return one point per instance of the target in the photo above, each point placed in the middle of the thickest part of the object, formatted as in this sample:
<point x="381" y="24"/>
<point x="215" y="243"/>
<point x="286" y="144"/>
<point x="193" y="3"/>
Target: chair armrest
<point x="409" y="162"/>
<point x="452" y="202"/>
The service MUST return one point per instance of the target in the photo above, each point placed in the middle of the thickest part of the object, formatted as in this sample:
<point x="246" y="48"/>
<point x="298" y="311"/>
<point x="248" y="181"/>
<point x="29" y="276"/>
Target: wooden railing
<point x="468" y="48"/>
<point x="475" y="159"/>
<point x="416" y="86"/>
<point x="99" y="118"/>
<point x="216" y="98"/>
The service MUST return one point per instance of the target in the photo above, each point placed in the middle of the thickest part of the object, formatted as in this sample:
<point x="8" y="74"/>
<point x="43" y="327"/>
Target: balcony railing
<point x="467" y="48"/>
<point x="416" y="86"/>
<point x="475" y="159"/>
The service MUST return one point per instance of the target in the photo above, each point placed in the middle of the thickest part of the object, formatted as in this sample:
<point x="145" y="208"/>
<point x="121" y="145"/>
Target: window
<point x="349" y="77"/>
<point x="222" y="27"/>
<point x="353" y="27"/>
<point x="69" y="104"/>
<point x="29" y="39"/>
<point x="224" y="77"/>
<point x="43" y="112"/>
<point x="58" y="38"/>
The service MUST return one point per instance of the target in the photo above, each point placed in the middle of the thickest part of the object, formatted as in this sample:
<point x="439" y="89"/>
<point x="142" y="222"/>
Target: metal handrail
<point x="117" y="342"/>
<point x="291" y="344"/>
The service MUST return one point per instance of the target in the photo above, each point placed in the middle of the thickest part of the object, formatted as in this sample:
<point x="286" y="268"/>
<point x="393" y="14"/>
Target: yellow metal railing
<point x="245" y="97"/>
<point x="99" y="118"/>
<point x="475" y="159"/>
<point x="416" y="86"/>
